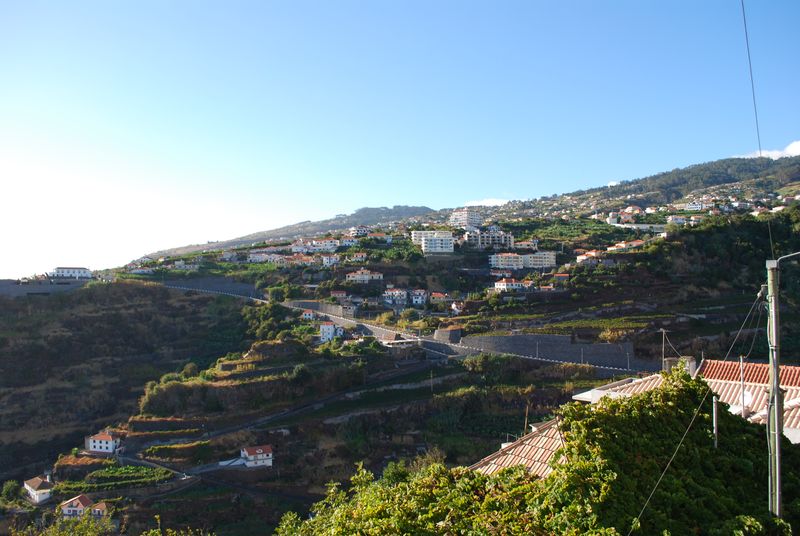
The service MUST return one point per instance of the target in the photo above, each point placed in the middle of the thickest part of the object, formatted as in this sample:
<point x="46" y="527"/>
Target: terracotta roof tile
<point x="753" y="372"/>
<point x="255" y="451"/>
<point x="534" y="451"/>
<point x="38" y="483"/>
<point x="81" y="501"/>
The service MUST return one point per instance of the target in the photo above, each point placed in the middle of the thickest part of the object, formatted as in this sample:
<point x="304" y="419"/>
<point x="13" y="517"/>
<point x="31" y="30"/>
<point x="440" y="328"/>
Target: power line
<point x="752" y="84"/>
<point x="694" y="417"/>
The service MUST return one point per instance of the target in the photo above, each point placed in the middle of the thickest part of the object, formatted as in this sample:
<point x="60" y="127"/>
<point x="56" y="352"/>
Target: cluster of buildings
<point x="593" y="257"/>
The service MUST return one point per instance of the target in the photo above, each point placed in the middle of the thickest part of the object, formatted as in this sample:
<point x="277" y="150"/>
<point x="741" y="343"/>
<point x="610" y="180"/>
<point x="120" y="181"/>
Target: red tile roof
<point x="105" y="435"/>
<point x="534" y="451"/>
<point x="255" y="451"/>
<point x="38" y="483"/>
<point x="81" y="501"/>
<point x="637" y="386"/>
<point x="712" y="369"/>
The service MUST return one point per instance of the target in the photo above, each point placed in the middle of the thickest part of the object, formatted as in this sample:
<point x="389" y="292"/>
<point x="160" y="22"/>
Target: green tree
<point x="10" y="490"/>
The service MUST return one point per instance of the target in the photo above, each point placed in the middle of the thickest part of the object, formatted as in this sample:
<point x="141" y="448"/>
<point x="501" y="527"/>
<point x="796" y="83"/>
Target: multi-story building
<point x="72" y="272"/>
<point x="489" y="239"/>
<point x="105" y="442"/>
<point x="465" y="218"/>
<point x="395" y="296"/>
<point x="540" y="259"/>
<point x="358" y="231"/>
<point x="515" y="261"/>
<point x="419" y="296"/>
<point x="329" y="260"/>
<point x="364" y="276"/>
<point x="509" y="261"/>
<point x="418" y="236"/>
<point x="432" y="245"/>
<point x="508" y="285"/>
<point x="327" y="331"/>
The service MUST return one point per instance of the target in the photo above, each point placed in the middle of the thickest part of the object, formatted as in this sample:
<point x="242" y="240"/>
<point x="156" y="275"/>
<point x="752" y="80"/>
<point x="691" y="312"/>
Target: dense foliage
<point x="115" y="477"/>
<point x="613" y="455"/>
<point x="671" y="185"/>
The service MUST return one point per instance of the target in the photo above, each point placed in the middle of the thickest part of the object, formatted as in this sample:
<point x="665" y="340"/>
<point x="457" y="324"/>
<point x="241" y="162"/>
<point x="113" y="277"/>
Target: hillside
<point x="754" y="176"/>
<point x="74" y="362"/>
<point x="362" y="216"/>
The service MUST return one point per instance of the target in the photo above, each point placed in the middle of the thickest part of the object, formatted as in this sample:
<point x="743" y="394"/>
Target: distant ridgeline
<point x="671" y="185"/>
<point x="362" y="216"/>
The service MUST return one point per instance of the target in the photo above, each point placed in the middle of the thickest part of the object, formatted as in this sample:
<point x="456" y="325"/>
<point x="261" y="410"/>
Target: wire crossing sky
<point x="128" y="127"/>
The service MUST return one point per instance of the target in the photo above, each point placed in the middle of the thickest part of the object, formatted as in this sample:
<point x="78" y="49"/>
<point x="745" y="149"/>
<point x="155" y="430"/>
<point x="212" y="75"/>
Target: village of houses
<point x="742" y="387"/>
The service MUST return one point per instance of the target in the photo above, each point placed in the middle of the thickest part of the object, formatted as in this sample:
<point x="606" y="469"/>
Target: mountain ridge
<point x="660" y="188"/>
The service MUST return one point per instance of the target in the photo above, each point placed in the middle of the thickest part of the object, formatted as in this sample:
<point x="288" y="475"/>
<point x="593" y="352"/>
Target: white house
<point x="419" y="296"/>
<point x="72" y="272"/>
<point x="364" y="276"/>
<point x="327" y="331"/>
<point x="329" y="260"/>
<point x="439" y="297"/>
<point x="395" y="296"/>
<point x="260" y="456"/>
<point x="348" y="242"/>
<point x="99" y="510"/>
<point x="308" y="314"/>
<point x="75" y="506"/>
<point x="104" y="442"/>
<point x="508" y="285"/>
<point x="39" y="489"/>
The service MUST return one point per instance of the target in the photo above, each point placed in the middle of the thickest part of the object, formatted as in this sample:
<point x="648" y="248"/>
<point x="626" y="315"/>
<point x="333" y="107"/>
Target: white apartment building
<point x="540" y="259"/>
<point x="437" y="245"/>
<point x="358" y="231"/>
<point x="72" y="272"/>
<point x="509" y="261"/>
<point x="418" y="236"/>
<point x="465" y="217"/>
<point x="515" y="261"/>
<point x="489" y="239"/>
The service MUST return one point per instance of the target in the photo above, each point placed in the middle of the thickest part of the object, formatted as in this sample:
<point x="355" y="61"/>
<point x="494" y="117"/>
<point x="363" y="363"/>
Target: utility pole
<point x="663" y="347"/>
<point x="775" y="406"/>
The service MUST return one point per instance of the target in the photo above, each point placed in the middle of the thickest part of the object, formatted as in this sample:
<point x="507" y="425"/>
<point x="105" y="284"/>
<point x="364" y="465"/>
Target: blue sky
<point x="127" y="127"/>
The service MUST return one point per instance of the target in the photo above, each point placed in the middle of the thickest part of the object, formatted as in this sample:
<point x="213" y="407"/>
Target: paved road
<point x="603" y="363"/>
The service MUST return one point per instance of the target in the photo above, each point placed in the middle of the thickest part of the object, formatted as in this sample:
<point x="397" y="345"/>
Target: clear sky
<point x="132" y="126"/>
